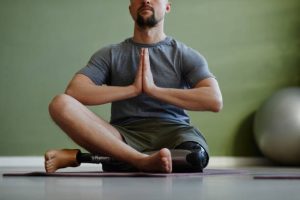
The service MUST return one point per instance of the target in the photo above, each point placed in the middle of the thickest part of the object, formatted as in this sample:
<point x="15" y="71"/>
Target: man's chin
<point x="146" y="16"/>
<point x="146" y="20"/>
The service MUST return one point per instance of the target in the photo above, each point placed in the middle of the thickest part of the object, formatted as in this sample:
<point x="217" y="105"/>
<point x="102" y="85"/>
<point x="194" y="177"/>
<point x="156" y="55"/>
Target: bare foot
<point x="158" y="162"/>
<point x="57" y="159"/>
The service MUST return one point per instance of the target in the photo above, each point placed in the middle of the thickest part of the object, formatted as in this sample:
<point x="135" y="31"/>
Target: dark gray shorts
<point x="154" y="134"/>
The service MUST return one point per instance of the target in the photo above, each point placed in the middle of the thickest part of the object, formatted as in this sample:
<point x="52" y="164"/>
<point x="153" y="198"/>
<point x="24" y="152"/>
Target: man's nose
<point x="146" y="1"/>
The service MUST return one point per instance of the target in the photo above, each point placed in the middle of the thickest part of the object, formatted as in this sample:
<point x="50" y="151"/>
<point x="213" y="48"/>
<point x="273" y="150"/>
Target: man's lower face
<point x="146" y="23"/>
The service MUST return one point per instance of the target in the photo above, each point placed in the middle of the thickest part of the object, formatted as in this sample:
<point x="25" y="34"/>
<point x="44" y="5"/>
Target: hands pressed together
<point x="144" y="82"/>
<point x="205" y="96"/>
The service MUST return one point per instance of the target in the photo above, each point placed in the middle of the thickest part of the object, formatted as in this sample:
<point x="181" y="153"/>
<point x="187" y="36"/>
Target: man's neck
<point x="148" y="35"/>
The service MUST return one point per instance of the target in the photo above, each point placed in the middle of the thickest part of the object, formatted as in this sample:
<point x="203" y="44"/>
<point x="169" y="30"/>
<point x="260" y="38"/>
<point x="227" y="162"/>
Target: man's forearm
<point x="197" y="99"/>
<point x="97" y="95"/>
<point x="85" y="91"/>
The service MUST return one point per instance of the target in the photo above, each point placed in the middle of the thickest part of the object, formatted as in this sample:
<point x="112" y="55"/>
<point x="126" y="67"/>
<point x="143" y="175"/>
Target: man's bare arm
<point x="87" y="92"/>
<point x="206" y="96"/>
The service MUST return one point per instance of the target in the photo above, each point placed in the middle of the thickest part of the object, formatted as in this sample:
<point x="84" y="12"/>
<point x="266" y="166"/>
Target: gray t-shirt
<point x="173" y="64"/>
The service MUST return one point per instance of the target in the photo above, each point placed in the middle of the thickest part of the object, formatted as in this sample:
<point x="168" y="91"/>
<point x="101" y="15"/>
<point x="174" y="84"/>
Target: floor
<point x="231" y="187"/>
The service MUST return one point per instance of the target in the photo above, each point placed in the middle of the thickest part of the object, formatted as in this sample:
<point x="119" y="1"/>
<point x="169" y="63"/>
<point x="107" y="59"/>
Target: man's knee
<point x="59" y="104"/>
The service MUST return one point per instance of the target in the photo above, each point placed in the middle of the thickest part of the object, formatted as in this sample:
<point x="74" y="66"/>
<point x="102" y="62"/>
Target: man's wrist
<point x="155" y="92"/>
<point x="133" y="91"/>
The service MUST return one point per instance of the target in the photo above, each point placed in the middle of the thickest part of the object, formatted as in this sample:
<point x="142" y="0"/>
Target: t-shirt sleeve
<point x="194" y="67"/>
<point x="97" y="69"/>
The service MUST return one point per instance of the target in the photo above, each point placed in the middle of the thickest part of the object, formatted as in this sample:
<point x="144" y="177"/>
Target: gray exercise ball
<point x="277" y="127"/>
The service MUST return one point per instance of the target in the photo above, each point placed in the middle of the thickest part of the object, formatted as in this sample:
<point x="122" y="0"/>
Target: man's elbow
<point x="69" y="92"/>
<point x="217" y="105"/>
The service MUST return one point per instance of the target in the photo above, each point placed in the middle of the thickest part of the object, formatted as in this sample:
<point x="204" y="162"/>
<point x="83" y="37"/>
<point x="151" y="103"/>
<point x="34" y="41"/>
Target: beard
<point x="146" y="23"/>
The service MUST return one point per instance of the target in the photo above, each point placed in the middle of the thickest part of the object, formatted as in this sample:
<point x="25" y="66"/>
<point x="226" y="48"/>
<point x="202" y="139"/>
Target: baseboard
<point x="24" y="161"/>
<point x="215" y="162"/>
<point x="220" y="161"/>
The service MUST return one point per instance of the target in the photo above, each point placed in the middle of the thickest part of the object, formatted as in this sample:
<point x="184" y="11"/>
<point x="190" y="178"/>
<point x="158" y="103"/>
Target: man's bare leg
<point x="98" y="137"/>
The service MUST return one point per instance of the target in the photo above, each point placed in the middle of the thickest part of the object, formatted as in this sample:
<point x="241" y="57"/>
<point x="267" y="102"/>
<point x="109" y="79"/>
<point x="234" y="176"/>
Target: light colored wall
<point x="252" y="47"/>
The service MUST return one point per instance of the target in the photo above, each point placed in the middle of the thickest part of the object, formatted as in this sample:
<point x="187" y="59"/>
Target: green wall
<point x="252" y="47"/>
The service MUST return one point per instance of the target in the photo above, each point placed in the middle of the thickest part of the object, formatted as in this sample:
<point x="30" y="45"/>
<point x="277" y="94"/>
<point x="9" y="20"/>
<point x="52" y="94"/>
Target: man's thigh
<point x="154" y="134"/>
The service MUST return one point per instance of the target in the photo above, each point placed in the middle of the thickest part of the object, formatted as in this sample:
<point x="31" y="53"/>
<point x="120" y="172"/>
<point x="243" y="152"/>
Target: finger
<point x="146" y="59"/>
<point x="146" y="54"/>
<point x="141" y="64"/>
<point x="142" y="52"/>
<point x="141" y="57"/>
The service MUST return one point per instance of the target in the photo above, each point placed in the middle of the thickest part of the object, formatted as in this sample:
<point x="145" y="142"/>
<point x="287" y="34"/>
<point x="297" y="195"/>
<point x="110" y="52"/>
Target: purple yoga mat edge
<point x="121" y="174"/>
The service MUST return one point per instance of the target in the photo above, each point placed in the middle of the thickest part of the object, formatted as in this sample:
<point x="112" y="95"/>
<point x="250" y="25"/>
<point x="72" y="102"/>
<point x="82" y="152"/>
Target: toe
<point x="49" y="154"/>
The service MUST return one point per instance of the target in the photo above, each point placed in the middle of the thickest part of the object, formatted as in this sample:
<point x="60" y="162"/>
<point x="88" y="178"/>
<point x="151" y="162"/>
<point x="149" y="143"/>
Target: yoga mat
<point x="207" y="172"/>
<point x="278" y="177"/>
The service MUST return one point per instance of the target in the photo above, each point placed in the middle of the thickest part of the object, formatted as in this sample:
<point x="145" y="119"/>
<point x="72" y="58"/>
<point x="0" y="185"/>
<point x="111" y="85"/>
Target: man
<point x="150" y="79"/>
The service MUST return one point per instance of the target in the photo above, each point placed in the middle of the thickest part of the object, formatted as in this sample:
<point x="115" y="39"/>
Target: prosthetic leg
<point x="183" y="160"/>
